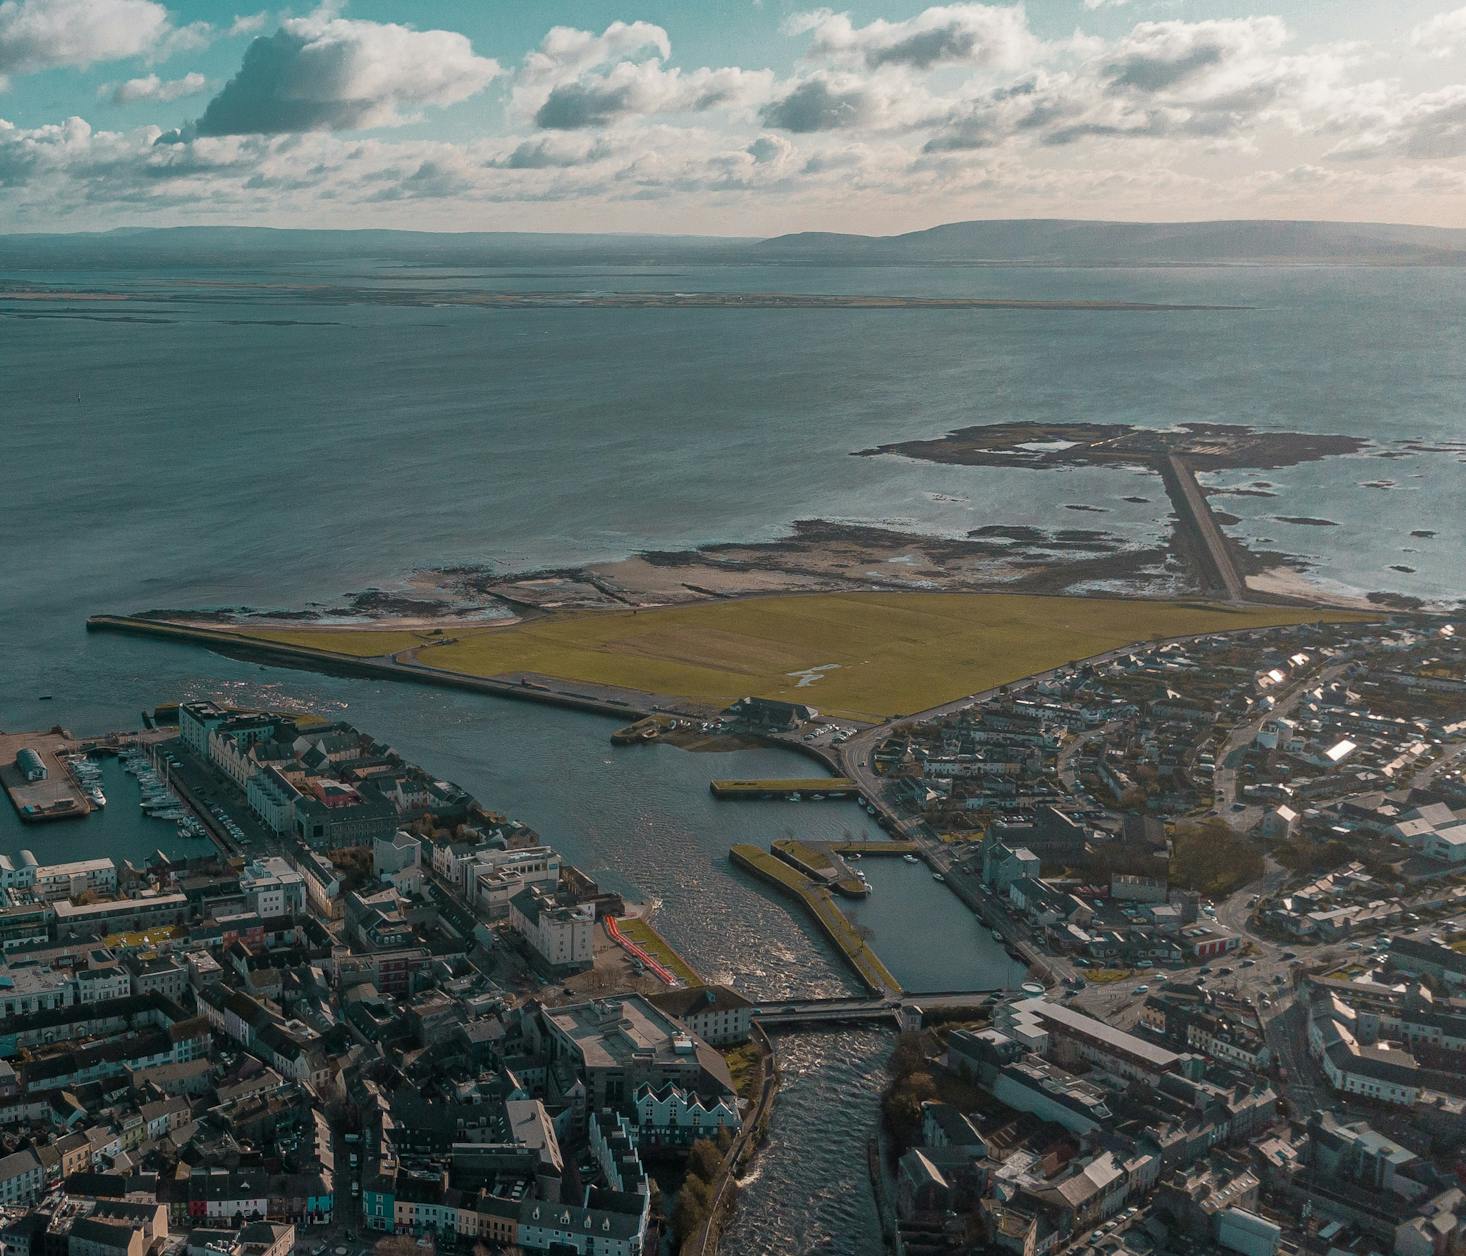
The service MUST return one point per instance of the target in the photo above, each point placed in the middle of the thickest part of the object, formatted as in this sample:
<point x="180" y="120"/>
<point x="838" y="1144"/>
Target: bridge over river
<point x="795" y="1012"/>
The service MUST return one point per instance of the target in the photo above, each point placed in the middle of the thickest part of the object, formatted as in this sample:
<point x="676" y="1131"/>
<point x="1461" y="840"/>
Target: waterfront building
<point x="668" y="1115"/>
<point x="561" y="936"/>
<point x="30" y="765"/>
<point x="196" y="720"/>
<point x="1044" y="1026"/>
<point x="272" y="796"/>
<point x="55" y="881"/>
<point x="616" y="1045"/>
<point x="715" y="1013"/>
<point x="768" y="715"/>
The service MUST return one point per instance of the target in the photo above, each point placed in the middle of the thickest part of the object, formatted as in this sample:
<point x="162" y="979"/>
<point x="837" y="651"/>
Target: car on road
<point x="1239" y="806"/>
<point x="1204" y="969"/>
<point x="1141" y="990"/>
<point x="1278" y="979"/>
<point x="1248" y="963"/>
<point x="1289" y="955"/>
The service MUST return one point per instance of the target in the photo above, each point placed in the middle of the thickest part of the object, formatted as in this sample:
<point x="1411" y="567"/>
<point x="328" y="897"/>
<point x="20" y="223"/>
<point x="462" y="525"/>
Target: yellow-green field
<point x="881" y="654"/>
<point x="655" y="945"/>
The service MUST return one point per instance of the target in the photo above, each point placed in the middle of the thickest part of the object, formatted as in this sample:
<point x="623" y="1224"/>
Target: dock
<point x="815" y="787"/>
<point x="815" y="861"/>
<point x="57" y="796"/>
<point x="820" y="903"/>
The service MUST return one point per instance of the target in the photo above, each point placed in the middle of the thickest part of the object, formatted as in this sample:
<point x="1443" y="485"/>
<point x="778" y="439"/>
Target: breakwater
<point x="282" y="654"/>
<point x="820" y="904"/>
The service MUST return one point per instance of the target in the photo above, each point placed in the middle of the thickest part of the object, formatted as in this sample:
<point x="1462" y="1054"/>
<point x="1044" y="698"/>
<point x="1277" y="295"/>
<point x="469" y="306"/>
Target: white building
<point x="562" y="938"/>
<point x="70" y="880"/>
<point x="272" y="887"/>
<point x="272" y="797"/>
<point x="670" y="1114"/>
<point x="398" y="862"/>
<point x="57" y="881"/>
<point x="493" y="877"/>
<point x="715" y="1014"/>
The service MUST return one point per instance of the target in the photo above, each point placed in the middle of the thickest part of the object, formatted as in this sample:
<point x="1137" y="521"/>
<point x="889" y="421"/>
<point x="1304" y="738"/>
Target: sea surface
<point x="219" y="441"/>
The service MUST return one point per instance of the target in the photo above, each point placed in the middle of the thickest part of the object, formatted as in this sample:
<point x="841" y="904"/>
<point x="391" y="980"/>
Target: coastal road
<point x="1219" y="568"/>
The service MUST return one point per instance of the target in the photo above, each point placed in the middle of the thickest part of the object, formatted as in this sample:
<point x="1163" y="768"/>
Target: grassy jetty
<point x="820" y="904"/>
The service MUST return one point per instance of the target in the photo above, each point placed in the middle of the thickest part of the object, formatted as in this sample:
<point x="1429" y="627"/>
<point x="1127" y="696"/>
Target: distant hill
<point x="1066" y="241"/>
<point x="249" y="246"/>
<point x="1010" y="241"/>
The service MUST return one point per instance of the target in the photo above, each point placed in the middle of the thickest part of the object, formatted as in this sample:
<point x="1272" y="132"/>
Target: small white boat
<point x="910" y="858"/>
<point x="937" y="876"/>
<point x="795" y="797"/>
<point x="97" y="797"/>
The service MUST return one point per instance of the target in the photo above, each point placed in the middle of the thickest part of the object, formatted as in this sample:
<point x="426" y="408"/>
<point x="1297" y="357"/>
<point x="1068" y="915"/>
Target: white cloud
<point x="966" y="34"/>
<point x="323" y="73"/>
<point x="578" y="80"/>
<point x="961" y="109"/>
<point x="565" y="52"/>
<point x="151" y="87"/>
<point x="1441" y="35"/>
<point x="1429" y="126"/>
<point x="42" y="34"/>
<point x="249" y="23"/>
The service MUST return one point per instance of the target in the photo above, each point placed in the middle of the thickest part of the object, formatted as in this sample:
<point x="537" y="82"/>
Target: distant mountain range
<point x="1069" y="241"/>
<point x="1011" y="241"/>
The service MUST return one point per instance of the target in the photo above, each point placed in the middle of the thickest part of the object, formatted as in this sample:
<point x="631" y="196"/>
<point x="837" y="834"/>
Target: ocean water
<point x="243" y="445"/>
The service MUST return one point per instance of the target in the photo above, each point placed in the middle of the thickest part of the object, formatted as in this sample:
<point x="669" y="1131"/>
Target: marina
<point x="130" y="813"/>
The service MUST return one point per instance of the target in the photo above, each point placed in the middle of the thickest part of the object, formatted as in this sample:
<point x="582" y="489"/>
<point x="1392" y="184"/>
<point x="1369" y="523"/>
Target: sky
<point x="727" y="117"/>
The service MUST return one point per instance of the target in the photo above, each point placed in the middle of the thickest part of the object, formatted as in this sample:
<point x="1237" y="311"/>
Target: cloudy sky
<point x="734" y="117"/>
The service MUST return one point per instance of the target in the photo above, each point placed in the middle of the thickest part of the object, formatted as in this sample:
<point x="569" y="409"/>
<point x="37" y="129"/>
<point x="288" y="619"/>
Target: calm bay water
<point x="259" y="450"/>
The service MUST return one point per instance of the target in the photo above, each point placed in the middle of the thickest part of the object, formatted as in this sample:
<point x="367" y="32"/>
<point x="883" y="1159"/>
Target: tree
<point x="1211" y="857"/>
<point x="691" y="1209"/>
<point x="902" y="1103"/>
<point x="703" y="1159"/>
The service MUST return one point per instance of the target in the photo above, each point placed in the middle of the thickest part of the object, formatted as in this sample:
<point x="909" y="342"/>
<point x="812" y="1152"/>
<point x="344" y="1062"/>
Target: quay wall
<point x="873" y="974"/>
<point x="282" y="654"/>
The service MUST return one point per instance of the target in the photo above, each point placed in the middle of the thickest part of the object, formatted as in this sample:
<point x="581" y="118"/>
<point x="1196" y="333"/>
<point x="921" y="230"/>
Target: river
<point x="640" y="819"/>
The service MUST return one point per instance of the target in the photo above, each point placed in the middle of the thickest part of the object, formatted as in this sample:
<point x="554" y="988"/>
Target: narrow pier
<point x="820" y="904"/>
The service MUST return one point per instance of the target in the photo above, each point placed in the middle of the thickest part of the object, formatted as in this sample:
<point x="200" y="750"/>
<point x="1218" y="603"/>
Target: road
<point x="1451" y="754"/>
<point x="1224" y="780"/>
<point x="1192" y="508"/>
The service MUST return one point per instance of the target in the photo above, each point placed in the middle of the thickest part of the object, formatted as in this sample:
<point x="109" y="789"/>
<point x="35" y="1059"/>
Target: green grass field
<point x="879" y="654"/>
